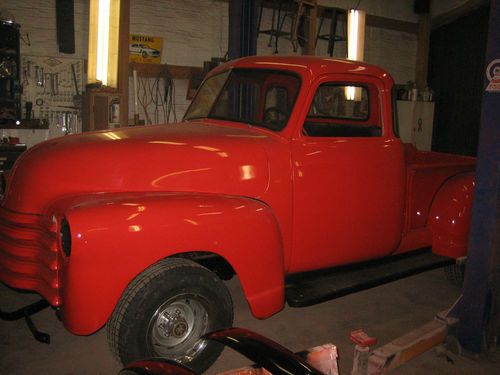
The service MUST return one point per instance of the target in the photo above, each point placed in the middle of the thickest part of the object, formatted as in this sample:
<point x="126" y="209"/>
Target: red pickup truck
<point x="281" y="166"/>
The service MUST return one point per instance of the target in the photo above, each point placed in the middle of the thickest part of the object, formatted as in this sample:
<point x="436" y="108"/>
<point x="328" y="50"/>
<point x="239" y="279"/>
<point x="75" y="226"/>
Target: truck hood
<point x="184" y="157"/>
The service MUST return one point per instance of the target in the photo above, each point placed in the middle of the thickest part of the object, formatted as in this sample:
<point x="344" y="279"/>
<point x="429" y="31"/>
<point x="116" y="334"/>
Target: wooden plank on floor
<point x="407" y="347"/>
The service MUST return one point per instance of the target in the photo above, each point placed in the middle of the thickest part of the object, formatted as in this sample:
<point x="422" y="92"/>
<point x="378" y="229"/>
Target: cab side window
<point x="344" y="110"/>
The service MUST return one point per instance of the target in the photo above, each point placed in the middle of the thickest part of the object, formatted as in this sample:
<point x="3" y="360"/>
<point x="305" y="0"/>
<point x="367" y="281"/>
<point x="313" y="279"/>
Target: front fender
<point x="114" y="238"/>
<point x="450" y="216"/>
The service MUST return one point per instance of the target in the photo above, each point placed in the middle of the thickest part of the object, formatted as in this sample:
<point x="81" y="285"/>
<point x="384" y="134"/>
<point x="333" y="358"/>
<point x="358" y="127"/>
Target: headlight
<point x="65" y="234"/>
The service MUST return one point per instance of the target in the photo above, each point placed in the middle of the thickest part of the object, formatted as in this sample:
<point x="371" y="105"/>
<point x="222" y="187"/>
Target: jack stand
<point x="25" y="313"/>
<point x="409" y="346"/>
<point x="361" y="351"/>
<point x="360" y="363"/>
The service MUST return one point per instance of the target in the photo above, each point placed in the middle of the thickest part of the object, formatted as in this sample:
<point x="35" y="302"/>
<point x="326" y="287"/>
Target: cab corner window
<point x="344" y="110"/>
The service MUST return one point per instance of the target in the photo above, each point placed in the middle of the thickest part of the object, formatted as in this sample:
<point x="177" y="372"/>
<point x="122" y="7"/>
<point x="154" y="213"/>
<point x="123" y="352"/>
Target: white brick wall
<point x="193" y="31"/>
<point x="392" y="50"/>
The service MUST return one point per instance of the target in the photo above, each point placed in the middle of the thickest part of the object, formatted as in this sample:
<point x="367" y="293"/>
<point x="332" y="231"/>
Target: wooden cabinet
<point x="102" y="110"/>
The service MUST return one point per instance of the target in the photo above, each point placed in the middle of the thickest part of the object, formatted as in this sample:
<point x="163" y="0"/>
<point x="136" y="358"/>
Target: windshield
<point x="252" y="96"/>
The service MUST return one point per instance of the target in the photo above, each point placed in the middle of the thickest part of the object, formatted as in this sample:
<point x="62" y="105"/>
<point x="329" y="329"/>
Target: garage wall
<point x="195" y="31"/>
<point x="38" y="26"/>
<point x="38" y="38"/>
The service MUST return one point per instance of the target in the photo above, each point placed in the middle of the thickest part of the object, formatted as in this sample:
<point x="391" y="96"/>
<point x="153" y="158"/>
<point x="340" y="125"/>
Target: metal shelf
<point x="156" y="70"/>
<point x="25" y="124"/>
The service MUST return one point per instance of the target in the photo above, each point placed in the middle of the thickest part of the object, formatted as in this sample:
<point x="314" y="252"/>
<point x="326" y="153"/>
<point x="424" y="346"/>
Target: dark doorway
<point x="456" y="66"/>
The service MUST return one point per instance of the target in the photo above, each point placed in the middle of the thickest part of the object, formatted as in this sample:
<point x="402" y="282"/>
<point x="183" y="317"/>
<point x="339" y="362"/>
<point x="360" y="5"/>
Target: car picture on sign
<point x="145" y="49"/>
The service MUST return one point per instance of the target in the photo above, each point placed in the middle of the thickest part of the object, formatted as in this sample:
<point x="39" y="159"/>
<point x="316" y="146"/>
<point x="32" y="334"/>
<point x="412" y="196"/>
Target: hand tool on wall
<point x="40" y="77"/>
<point x="75" y="81"/>
<point x="29" y="107"/>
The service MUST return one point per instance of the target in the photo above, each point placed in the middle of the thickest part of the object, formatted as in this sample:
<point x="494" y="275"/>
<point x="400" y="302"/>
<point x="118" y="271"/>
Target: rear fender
<point x="115" y="238"/>
<point x="450" y="216"/>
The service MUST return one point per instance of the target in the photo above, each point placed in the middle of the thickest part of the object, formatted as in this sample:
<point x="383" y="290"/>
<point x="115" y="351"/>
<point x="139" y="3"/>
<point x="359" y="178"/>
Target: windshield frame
<point x="234" y="70"/>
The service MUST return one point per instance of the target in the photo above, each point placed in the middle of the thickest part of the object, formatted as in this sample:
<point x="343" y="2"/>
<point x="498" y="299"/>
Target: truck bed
<point x="425" y="159"/>
<point x="426" y="172"/>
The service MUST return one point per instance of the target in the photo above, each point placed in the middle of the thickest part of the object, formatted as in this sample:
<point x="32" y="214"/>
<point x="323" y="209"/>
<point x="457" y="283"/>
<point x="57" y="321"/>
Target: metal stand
<point x="25" y="313"/>
<point x="332" y="37"/>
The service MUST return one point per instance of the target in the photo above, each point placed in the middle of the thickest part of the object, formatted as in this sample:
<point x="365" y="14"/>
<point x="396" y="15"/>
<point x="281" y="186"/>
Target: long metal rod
<point x="25" y="313"/>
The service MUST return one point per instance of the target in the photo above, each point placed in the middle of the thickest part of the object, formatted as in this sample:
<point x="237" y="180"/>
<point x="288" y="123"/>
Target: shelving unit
<point x="97" y="115"/>
<point x="10" y="87"/>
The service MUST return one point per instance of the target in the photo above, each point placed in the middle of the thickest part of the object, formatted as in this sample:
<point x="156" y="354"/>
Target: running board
<point x="310" y="288"/>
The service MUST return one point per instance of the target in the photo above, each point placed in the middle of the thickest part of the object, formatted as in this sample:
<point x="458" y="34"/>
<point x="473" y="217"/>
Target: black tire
<point x="455" y="274"/>
<point x="144" y="54"/>
<point x="164" y="311"/>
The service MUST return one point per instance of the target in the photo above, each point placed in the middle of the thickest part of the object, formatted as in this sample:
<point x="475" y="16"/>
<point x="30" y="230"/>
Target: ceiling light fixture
<point x="355" y="45"/>
<point x="104" y="27"/>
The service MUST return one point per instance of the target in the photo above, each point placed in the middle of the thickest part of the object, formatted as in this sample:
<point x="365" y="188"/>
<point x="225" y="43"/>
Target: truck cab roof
<point x="307" y="66"/>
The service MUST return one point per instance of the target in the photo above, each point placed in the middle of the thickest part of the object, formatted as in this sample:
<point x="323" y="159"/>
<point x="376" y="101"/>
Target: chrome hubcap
<point x="172" y="323"/>
<point x="175" y="328"/>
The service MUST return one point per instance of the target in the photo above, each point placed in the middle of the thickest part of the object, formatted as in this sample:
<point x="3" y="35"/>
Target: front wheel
<point x="165" y="310"/>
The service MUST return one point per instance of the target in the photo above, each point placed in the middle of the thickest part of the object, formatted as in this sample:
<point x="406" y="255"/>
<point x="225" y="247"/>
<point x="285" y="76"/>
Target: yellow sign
<point x="145" y="49"/>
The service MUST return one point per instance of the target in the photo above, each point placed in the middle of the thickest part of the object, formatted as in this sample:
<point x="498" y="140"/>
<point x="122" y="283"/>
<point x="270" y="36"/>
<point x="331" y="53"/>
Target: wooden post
<point x="123" y="65"/>
<point x="310" y="10"/>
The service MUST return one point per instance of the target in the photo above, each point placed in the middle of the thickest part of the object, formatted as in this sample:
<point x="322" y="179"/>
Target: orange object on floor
<point x="360" y="337"/>
<point x="323" y="358"/>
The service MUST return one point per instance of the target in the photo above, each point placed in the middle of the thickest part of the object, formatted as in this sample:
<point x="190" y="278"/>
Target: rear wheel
<point x="165" y="310"/>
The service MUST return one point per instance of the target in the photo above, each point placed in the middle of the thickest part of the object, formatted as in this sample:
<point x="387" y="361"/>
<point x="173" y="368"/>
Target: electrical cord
<point x="169" y="99"/>
<point x="143" y="98"/>
<point x="150" y="94"/>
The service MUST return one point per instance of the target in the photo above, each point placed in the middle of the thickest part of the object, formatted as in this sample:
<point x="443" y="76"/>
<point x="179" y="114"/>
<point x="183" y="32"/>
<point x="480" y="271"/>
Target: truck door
<point x="348" y="175"/>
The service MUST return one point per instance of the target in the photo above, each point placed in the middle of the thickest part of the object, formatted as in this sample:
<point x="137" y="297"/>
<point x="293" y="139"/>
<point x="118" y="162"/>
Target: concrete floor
<point x="385" y="312"/>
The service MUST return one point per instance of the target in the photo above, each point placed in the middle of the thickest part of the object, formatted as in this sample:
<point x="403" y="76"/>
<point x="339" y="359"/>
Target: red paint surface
<point x="270" y="203"/>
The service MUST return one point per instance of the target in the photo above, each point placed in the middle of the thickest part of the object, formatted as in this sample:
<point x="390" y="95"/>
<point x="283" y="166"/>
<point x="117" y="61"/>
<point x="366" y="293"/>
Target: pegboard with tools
<point x="52" y="92"/>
